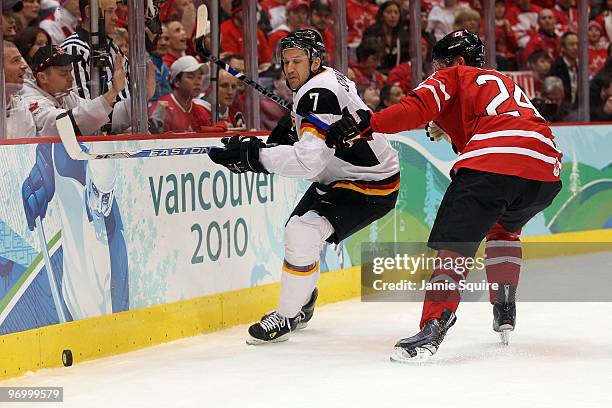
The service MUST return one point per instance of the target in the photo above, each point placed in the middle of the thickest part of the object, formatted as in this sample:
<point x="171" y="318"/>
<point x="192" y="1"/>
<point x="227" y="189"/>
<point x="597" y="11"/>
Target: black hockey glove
<point x="240" y="154"/>
<point x="283" y="133"/>
<point x="349" y="129"/>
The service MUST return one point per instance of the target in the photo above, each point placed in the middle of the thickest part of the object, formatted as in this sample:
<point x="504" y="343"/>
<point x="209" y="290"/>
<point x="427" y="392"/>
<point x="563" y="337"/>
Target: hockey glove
<point x="349" y="129"/>
<point x="436" y="133"/>
<point x="240" y="154"/>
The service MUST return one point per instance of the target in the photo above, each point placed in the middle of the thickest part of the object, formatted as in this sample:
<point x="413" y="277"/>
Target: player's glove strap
<point x="240" y="154"/>
<point x="349" y="129"/>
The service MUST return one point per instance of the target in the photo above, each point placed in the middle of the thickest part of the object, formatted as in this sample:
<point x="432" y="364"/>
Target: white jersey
<point x="86" y="280"/>
<point x="329" y="95"/>
<point x="88" y="115"/>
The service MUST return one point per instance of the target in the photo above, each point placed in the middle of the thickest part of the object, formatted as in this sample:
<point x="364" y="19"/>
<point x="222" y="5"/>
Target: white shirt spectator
<point x="59" y="25"/>
<point x="441" y="19"/>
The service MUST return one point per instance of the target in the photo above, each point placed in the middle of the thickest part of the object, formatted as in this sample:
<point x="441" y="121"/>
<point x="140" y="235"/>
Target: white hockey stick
<point x="40" y="231"/>
<point x="76" y="152"/>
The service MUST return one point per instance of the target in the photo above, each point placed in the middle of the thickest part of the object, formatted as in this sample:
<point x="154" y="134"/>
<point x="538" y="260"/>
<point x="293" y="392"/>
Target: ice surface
<point x="559" y="356"/>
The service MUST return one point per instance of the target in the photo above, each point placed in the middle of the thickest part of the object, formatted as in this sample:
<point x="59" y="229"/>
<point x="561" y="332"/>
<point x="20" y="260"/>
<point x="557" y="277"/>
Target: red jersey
<point x="492" y="124"/>
<point x="178" y="120"/>
<point x="232" y="41"/>
<point x="360" y="15"/>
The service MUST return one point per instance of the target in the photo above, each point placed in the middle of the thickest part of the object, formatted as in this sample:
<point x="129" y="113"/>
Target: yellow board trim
<point x="135" y="329"/>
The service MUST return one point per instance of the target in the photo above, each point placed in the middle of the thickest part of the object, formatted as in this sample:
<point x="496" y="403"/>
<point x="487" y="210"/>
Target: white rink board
<point x="560" y="356"/>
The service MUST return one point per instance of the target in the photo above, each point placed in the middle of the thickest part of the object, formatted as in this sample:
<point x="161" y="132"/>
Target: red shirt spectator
<point x="360" y="14"/>
<point x="523" y="17"/>
<point x="181" y="114"/>
<point x="297" y="18"/>
<point x="545" y="39"/>
<point x="401" y="75"/>
<point x="232" y="41"/>
<point x="598" y="48"/>
<point x="567" y="16"/>
<point x="275" y="10"/>
<point x="320" y="19"/>
<point x="177" y="42"/>
<point x="506" y="43"/>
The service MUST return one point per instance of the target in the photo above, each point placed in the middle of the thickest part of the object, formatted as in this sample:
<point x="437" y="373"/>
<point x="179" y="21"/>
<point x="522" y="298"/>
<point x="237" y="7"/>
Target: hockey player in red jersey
<point x="507" y="171"/>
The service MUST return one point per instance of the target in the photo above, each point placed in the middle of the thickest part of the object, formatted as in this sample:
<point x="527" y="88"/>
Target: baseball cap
<point x="51" y="56"/>
<point x="295" y="4"/>
<point x="15" y="5"/>
<point x="184" y="64"/>
<point x="321" y="6"/>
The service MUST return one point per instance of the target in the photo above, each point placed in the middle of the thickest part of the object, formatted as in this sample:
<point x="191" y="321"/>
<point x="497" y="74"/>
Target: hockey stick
<point x="74" y="150"/>
<point x="40" y="231"/>
<point x="202" y="18"/>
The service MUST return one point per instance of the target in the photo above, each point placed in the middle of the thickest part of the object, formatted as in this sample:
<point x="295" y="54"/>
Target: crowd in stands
<point x="536" y="43"/>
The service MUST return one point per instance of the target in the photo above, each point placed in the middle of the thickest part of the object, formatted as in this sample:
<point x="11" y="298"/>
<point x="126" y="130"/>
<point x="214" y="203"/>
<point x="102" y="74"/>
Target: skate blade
<point x="504" y="336"/>
<point x="402" y="356"/>
<point x="301" y="325"/>
<point x="252" y="341"/>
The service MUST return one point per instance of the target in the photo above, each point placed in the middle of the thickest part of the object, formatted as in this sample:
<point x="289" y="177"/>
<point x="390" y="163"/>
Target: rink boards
<point x="190" y="248"/>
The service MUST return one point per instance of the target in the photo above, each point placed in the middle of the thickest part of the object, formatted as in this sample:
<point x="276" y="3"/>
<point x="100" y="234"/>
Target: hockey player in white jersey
<point x="351" y="188"/>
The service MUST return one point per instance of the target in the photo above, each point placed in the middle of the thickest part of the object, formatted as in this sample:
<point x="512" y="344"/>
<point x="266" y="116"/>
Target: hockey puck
<point x="67" y="358"/>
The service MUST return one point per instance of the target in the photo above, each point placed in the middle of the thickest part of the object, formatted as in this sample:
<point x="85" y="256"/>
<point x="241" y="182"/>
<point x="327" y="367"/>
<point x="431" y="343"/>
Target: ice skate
<point x="504" y="312"/>
<point x="272" y="328"/>
<point x="424" y="344"/>
<point x="306" y="312"/>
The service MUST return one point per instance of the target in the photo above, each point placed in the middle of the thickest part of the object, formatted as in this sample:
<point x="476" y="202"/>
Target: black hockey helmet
<point x="460" y="43"/>
<point x="309" y="40"/>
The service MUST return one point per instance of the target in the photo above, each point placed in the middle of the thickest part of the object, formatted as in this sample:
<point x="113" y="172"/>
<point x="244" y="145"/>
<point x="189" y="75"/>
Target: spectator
<point x="388" y="31"/>
<point x="320" y="19"/>
<point x="50" y="95"/>
<point x="232" y="41"/>
<point x="183" y="11"/>
<point x="360" y="14"/>
<point x="601" y="110"/>
<point x="544" y="39"/>
<point x="297" y="18"/>
<point x="177" y="42"/>
<point x="180" y="112"/>
<point x="370" y="96"/>
<point x="63" y="22"/>
<point x="390" y="94"/>
<point x="79" y="45"/>
<point x="229" y="112"/>
<point x="122" y="14"/>
<point x="442" y="18"/>
<point x="566" y="67"/>
<point x="605" y="19"/>
<point x="539" y="62"/>
<point x="506" y="44"/>
<point x="523" y="17"/>
<point x="369" y="54"/>
<point x="276" y="12"/>
<point x="19" y="119"/>
<point x="551" y="104"/>
<point x="122" y="40"/>
<point x="468" y="19"/>
<point x="28" y="15"/>
<point x="566" y="14"/>
<point x="402" y="74"/>
<point x="162" y="71"/>
<point x="30" y="40"/>
<point x="598" y="48"/>
<point x="9" y="27"/>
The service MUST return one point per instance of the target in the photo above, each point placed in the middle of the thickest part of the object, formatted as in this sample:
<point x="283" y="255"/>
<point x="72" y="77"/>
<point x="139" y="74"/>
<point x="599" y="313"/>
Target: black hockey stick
<point x="202" y="18"/>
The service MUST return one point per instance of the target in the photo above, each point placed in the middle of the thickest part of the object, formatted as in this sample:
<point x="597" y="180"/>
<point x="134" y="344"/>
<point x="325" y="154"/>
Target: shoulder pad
<point x="319" y="100"/>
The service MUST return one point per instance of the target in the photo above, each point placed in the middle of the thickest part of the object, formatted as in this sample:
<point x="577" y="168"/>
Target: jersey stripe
<point x="314" y="129"/>
<point x="507" y="150"/>
<point x="514" y="133"/>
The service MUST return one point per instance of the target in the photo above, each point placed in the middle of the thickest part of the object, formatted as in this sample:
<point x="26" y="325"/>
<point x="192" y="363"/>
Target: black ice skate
<point x="504" y="311"/>
<point x="273" y="328"/>
<point x="424" y="344"/>
<point x="306" y="312"/>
